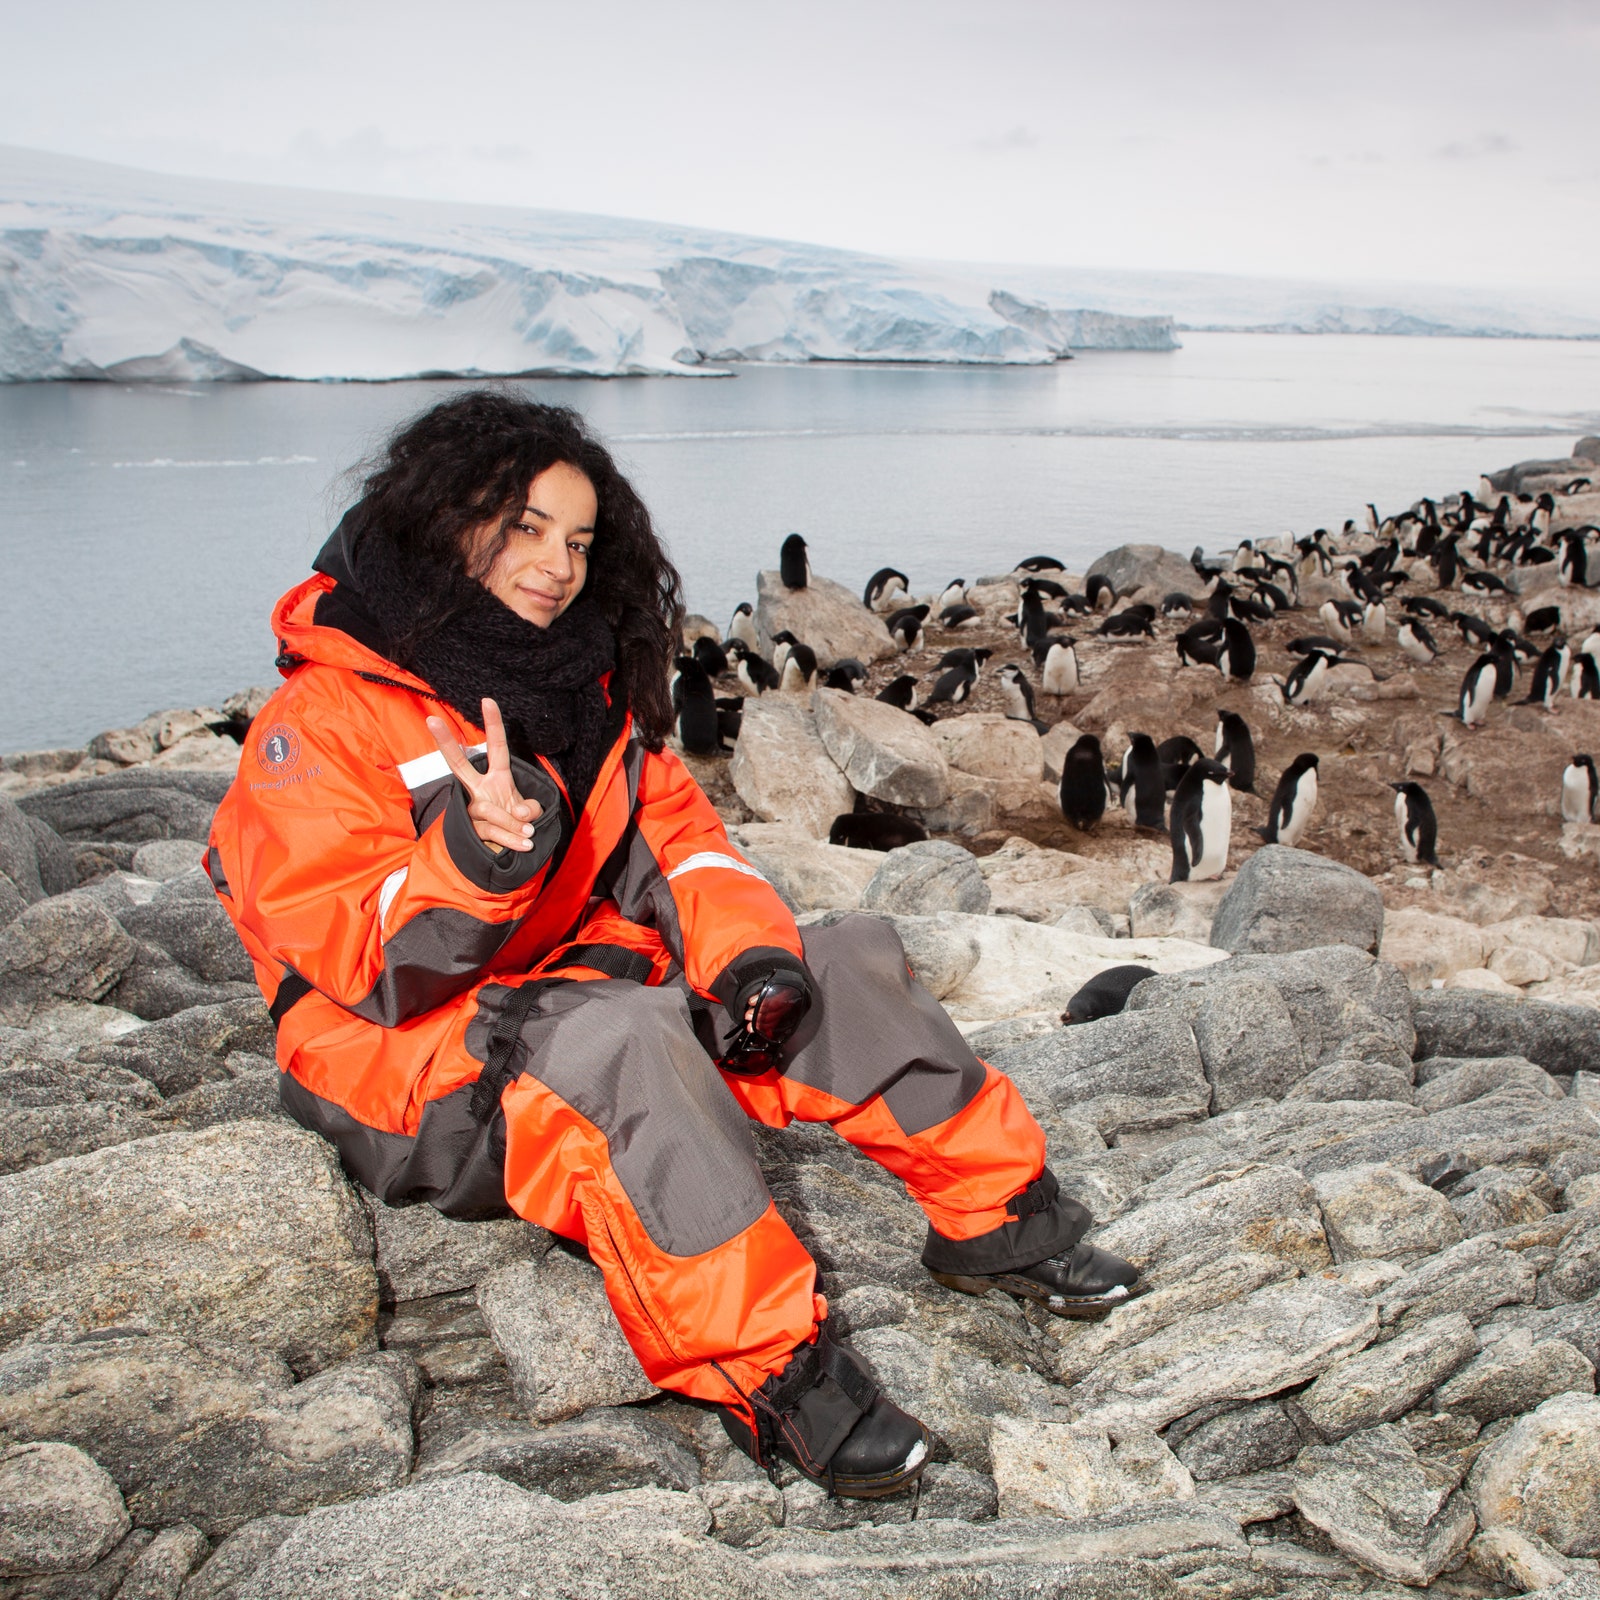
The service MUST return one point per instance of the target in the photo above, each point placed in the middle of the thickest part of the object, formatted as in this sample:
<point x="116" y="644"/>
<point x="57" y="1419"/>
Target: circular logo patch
<point x="278" y="749"/>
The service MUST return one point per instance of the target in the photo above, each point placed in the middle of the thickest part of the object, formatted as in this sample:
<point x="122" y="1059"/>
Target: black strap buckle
<point x="1039" y="1196"/>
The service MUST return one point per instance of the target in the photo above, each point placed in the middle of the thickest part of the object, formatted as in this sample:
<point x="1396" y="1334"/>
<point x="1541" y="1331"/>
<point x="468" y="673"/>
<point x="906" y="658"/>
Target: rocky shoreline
<point x="1350" y="1131"/>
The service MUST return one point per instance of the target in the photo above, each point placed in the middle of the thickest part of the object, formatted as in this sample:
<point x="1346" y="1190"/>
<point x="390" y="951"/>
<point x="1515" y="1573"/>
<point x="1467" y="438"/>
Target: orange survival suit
<point x="539" y="1030"/>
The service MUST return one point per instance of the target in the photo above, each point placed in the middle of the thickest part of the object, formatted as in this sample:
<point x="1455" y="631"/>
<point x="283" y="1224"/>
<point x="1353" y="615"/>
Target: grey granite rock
<point x="1046" y="1468"/>
<point x="140" y="804"/>
<point x="599" y="1452"/>
<point x="781" y="770"/>
<point x="926" y="878"/>
<point x="1575" y="1272"/>
<point x="156" y="986"/>
<point x="1236" y="1442"/>
<point x="1378" y="1212"/>
<point x="1473" y="1022"/>
<point x="421" y="1252"/>
<point x="50" y="1109"/>
<point x="1542" y="1476"/>
<point x="952" y="1491"/>
<point x="1471" y="1080"/>
<point x="474" y="1534"/>
<point x="246" y="1232"/>
<point x="857" y="1228"/>
<point x="1494" y="1198"/>
<point x="162" y="859"/>
<point x="165" y="1563"/>
<point x="829" y="617"/>
<point x="1136" y="1070"/>
<point x="248" y="1094"/>
<point x="58" y="871"/>
<point x="1392" y="1512"/>
<point x="1131" y="567"/>
<point x="67" y="947"/>
<point x="19" y="855"/>
<point x="237" y="1557"/>
<point x="883" y="751"/>
<point x="1285" y="899"/>
<point x="1386" y="1380"/>
<point x="1513" y="1374"/>
<point x="59" y="1511"/>
<point x="187" y="920"/>
<point x="1577" y="1324"/>
<point x="551" y="1320"/>
<point x="181" y="1051"/>
<point x="743" y="1513"/>
<point x="939" y="952"/>
<point x="1353" y="1080"/>
<point x="1473" y="1277"/>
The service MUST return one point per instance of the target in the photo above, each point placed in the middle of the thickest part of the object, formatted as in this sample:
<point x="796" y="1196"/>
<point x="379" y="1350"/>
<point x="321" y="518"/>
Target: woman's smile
<point x="542" y="566"/>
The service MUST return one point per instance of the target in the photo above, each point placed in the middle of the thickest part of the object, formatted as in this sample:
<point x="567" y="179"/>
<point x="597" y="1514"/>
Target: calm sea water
<point x="145" y="531"/>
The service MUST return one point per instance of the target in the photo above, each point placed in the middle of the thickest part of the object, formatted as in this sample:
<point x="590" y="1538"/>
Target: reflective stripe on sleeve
<point x="712" y="858"/>
<point x="431" y="767"/>
<point x="391" y="887"/>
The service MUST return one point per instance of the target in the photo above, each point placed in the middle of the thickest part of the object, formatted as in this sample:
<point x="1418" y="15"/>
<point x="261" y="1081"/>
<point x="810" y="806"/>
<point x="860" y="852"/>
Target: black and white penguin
<point x="1580" y="791"/>
<point x="1374" y="620"/>
<point x="1236" y="750"/>
<point x="755" y="674"/>
<point x="1416" y="641"/>
<point x="782" y="642"/>
<point x="1144" y="795"/>
<point x="1340" y="618"/>
<point x="954" y="686"/>
<point x="794" y="569"/>
<point x="1176" y="753"/>
<point x="1483" y="583"/>
<point x="1237" y="657"/>
<point x="846" y="673"/>
<point x="1083" y="784"/>
<point x="1477" y="691"/>
<point x="799" y="668"/>
<point x="1200" y="643"/>
<point x="882" y="587"/>
<point x="1547" y="677"/>
<point x="1098" y="591"/>
<point x="1058" y="673"/>
<point x="1542" y="619"/>
<point x="742" y="626"/>
<point x="955" y="594"/>
<point x="1419" y="828"/>
<point x="966" y="656"/>
<point x="1305" y="682"/>
<point x="1504" y="652"/>
<point x="900" y="692"/>
<point x="1177" y="604"/>
<point x="711" y="656"/>
<point x="1574" y="568"/>
<point x="1293" y="802"/>
<point x="959" y="617"/>
<point x="1105" y="994"/>
<point x="1040" y="564"/>
<point x="1201" y="822"/>
<point x="1018" y="694"/>
<point x="1424" y="605"/>
<point x="875" y="830"/>
<point x="1128" y="624"/>
<point x="905" y="627"/>
<point x="730" y="717"/>
<point x="1585" y="677"/>
<point x="694" y="708"/>
<point x="1474" y="630"/>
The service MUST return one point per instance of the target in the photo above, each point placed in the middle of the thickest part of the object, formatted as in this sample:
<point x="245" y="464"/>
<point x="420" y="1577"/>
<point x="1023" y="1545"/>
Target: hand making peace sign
<point x="502" y="818"/>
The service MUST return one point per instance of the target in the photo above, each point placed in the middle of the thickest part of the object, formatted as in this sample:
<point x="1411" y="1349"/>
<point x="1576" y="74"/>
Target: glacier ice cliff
<point x="108" y="272"/>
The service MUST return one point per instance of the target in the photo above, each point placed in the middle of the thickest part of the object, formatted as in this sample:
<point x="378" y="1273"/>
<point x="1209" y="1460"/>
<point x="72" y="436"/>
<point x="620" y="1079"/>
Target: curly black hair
<point x="468" y="461"/>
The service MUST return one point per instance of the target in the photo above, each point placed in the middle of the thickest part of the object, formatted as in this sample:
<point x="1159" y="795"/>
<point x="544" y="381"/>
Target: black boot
<point x="829" y="1419"/>
<point x="1086" y="1282"/>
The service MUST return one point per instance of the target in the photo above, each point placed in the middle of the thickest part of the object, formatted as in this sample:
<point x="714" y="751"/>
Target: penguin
<point x="1175" y="754"/>
<point x="711" y="656"/>
<point x="846" y="673"/>
<point x="875" y="830"/>
<point x="1098" y="591"/>
<point x="1585" y="677"/>
<point x="1202" y="822"/>
<point x="1543" y="619"/>
<point x="782" y="642"/>
<point x="955" y="685"/>
<point x="799" y="668"/>
<point x="1083" y="784"/>
<point x="1144" y="795"/>
<point x="955" y="594"/>
<point x="1580" y="791"/>
<point x="1419" y="828"/>
<point x="1293" y="802"/>
<point x="1317" y="641"/>
<point x="1339" y="617"/>
<point x="882" y="587"/>
<point x="1576" y="485"/>
<point x="959" y="617"/>
<point x="730" y="717"/>
<point x="905" y="627"/>
<point x="1574" y="568"/>
<point x="1504" y="652"/>
<point x="1477" y="692"/>
<point x="1105" y="994"/>
<point x="755" y="673"/>
<point x="1474" y="630"/>
<point x="694" y="709"/>
<point x="1199" y="644"/>
<point x="1424" y="605"/>
<point x="1446" y="562"/>
<point x="1547" y="678"/>
<point x="900" y="692"/>
<point x="1039" y="564"/>
<point x="1059" y="673"/>
<point x="1374" y="619"/>
<point x="1033" y="618"/>
<point x="966" y="656"/>
<point x="1304" y="684"/>
<point x="1237" y="657"/>
<point x="793" y="567"/>
<point x="1236" y="750"/>
<point x="1484" y="583"/>
<point x="1416" y="641"/>
<point x="1049" y="586"/>
<point x="1177" y="604"/>
<point x="1127" y="625"/>
<point x="1018" y="693"/>
<point x="743" y="625"/>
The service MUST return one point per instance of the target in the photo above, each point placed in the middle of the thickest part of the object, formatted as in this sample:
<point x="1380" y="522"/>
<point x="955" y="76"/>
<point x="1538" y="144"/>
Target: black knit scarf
<point x="546" y="681"/>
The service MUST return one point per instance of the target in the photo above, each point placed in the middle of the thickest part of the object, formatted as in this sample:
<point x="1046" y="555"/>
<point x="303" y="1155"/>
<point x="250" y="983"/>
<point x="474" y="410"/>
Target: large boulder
<point x="59" y="1511"/>
<point x="246" y="1232"/>
<point x="50" y="1109"/>
<point x="68" y="947"/>
<point x="180" y="1052"/>
<point x="926" y="878"/>
<point x="883" y="751"/>
<point x="824" y="615"/>
<point x="1467" y="1022"/>
<point x="1055" y="1469"/>
<point x="781" y="770"/>
<point x="1542" y="1476"/>
<point x="1285" y="899"/>
<point x="19" y="854"/>
<point x="185" y="918"/>
<point x="143" y="803"/>
<point x="990" y="745"/>
<point x="1131" y="567"/>
<point x="1379" y="1213"/>
<point x="422" y="1252"/>
<point x="1515" y="1373"/>
<point x="808" y="875"/>
<point x="1386" y="1380"/>
<point x="1425" y="945"/>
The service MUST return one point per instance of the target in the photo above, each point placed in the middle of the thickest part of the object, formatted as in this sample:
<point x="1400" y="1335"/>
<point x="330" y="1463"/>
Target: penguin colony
<point x="1459" y="547"/>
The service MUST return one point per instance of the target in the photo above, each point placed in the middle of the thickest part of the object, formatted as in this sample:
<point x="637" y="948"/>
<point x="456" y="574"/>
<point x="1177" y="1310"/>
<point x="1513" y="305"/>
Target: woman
<point x="514" y="961"/>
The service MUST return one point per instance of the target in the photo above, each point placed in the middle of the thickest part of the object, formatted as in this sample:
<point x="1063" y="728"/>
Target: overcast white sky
<point x="1431" y="140"/>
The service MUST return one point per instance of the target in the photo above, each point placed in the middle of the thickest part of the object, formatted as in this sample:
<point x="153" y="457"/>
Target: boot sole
<point x="1086" y="1308"/>
<point x="854" y="1486"/>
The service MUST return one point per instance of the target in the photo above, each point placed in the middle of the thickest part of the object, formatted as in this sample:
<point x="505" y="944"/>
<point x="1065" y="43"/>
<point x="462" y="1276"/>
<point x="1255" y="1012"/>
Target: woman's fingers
<point x="486" y="814"/>
<point x="455" y="757"/>
<point x="501" y="785"/>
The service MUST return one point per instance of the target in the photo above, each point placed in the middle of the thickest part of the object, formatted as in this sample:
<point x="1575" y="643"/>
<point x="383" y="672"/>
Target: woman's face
<point x="541" y="569"/>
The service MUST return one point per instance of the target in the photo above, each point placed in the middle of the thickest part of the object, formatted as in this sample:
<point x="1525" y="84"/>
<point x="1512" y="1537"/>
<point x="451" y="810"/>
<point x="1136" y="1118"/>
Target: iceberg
<point x="112" y="273"/>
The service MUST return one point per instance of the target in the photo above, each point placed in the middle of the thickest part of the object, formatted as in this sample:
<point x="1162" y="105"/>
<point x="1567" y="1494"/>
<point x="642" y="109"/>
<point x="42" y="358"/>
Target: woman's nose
<point x="556" y="562"/>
